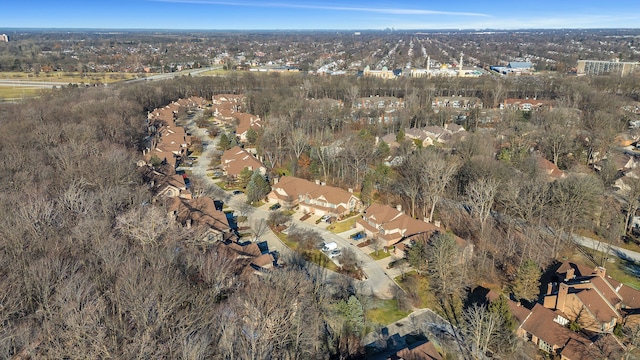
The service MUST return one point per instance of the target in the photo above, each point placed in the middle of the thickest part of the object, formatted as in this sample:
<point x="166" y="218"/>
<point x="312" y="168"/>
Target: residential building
<point x="526" y="104"/>
<point x="600" y="67"/>
<point x="201" y="212"/>
<point x="166" y="185"/>
<point x="457" y="102"/>
<point x="313" y="197"/>
<point x="236" y="159"/>
<point x="419" y="351"/>
<point x="594" y="301"/>
<point x="548" y="329"/>
<point x="550" y="169"/>
<point x="390" y="224"/>
<point x="245" y="123"/>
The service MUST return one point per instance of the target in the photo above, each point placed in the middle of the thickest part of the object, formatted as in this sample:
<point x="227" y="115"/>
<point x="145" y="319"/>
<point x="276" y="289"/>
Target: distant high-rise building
<point x="4" y="38"/>
<point x="598" y="67"/>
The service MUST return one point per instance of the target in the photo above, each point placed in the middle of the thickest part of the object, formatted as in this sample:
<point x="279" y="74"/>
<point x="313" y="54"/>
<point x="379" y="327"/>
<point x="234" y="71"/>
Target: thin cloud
<point x="391" y="11"/>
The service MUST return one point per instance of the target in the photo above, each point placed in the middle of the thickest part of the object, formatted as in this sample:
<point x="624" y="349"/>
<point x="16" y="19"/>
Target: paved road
<point x="377" y="282"/>
<point x="422" y="321"/>
<point x="612" y="249"/>
<point x="192" y="72"/>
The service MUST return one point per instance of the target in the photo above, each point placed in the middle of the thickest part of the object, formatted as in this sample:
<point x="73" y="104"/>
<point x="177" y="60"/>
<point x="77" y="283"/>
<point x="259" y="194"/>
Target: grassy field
<point x="70" y="77"/>
<point x="343" y="226"/>
<point x="18" y="92"/>
<point x="215" y="72"/>
<point x="8" y="91"/>
<point x="381" y="255"/>
<point x="385" y="312"/>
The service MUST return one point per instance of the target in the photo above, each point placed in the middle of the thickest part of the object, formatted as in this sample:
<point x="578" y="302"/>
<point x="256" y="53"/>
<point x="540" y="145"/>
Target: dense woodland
<point x="78" y="284"/>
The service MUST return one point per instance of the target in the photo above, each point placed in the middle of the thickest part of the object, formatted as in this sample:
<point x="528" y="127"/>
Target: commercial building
<point x="598" y="67"/>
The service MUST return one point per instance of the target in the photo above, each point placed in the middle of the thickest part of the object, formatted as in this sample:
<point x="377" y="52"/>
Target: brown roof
<point x="236" y="159"/>
<point x="390" y="219"/>
<point x="201" y="211"/>
<point x="252" y="250"/>
<point x="579" y="269"/>
<point x="540" y="324"/>
<point x="550" y="168"/>
<point x="246" y="122"/>
<point x="264" y="260"/>
<point x="424" y="351"/>
<point x="595" y="303"/>
<point x="167" y="156"/>
<point x="630" y="296"/>
<point x="382" y="213"/>
<point x="295" y="187"/>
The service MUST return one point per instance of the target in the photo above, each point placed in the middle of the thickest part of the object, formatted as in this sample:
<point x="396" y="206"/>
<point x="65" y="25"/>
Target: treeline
<point x="79" y="281"/>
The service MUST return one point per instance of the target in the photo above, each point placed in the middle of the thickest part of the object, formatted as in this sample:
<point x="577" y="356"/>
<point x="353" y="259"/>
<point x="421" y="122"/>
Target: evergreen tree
<point x="252" y="136"/>
<point x="224" y="143"/>
<point x="353" y="314"/>
<point x="527" y="282"/>
<point x="244" y="177"/>
<point x="257" y="188"/>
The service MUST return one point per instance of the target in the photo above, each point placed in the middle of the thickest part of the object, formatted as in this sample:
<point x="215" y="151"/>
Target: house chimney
<point x="600" y="271"/>
<point x="549" y="288"/>
<point x="562" y="296"/>
<point x="437" y="223"/>
<point x="317" y="182"/>
<point x="570" y="274"/>
<point x="350" y="190"/>
<point x="399" y="207"/>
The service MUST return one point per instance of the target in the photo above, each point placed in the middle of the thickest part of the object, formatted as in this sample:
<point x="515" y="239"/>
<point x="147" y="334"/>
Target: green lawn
<point x="385" y="312"/>
<point x="18" y="93"/>
<point x="343" y="226"/>
<point x="381" y="255"/>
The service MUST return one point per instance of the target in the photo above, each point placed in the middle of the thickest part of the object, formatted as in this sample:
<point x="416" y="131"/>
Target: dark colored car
<point x="358" y="236"/>
<point x="274" y="207"/>
<point x="237" y="192"/>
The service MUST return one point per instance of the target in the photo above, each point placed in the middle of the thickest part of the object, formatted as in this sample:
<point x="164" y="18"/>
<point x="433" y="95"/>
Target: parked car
<point x="358" y="236"/>
<point x="275" y="206"/>
<point x="330" y="246"/>
<point x="335" y="253"/>
<point x="237" y="192"/>
<point x="325" y="217"/>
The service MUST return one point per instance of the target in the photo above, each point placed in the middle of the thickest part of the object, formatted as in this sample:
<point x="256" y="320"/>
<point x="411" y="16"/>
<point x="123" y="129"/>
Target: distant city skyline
<point x="317" y="15"/>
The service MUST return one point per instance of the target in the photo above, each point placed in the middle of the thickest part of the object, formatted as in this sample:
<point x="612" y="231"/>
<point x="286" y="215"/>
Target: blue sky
<point x="332" y="14"/>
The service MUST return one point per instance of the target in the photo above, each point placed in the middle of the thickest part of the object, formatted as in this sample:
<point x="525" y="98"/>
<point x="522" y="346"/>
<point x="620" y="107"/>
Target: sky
<point x="316" y="15"/>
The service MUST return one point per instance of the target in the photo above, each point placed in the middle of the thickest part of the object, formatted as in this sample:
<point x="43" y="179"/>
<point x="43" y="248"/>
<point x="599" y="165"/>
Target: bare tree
<point x="632" y="197"/>
<point x="259" y="228"/>
<point x="147" y="225"/>
<point x="481" y="195"/>
<point x="480" y="327"/>
<point x="436" y="173"/>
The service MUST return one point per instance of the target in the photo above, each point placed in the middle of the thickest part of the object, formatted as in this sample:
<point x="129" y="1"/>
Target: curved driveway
<point x="377" y="282"/>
